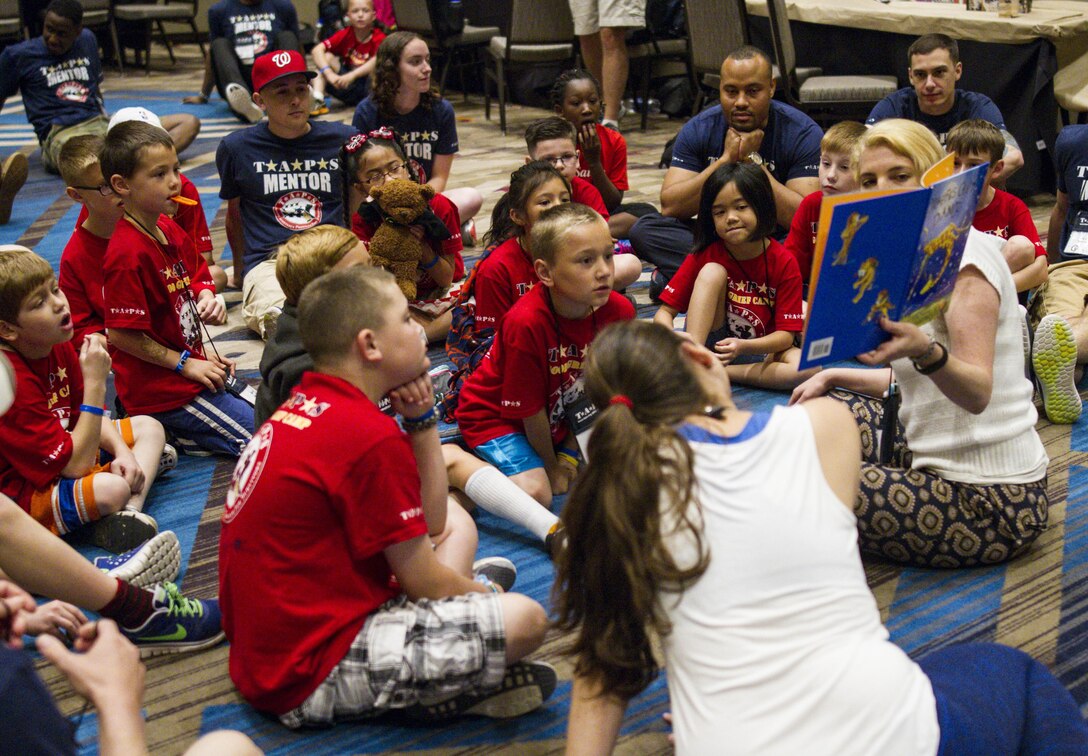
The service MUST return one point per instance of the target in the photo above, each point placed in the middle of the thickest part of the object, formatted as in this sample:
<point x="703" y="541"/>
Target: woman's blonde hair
<point x="910" y="139"/>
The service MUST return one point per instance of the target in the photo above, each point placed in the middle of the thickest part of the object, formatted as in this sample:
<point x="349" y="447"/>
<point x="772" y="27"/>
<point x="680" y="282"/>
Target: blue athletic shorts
<point x="511" y="454"/>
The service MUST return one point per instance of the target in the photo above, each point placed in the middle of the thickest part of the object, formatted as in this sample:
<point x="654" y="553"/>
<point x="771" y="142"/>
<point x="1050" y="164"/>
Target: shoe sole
<point x="168" y="460"/>
<point x="1054" y="359"/>
<point x="524" y="688"/>
<point x="118" y="533"/>
<point x="15" y="170"/>
<point x="158" y="561"/>
<point x="242" y="105"/>
<point x="148" y="650"/>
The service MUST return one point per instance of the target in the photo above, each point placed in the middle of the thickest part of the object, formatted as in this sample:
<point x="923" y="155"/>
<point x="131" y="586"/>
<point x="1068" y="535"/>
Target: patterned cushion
<point x="847" y="88"/>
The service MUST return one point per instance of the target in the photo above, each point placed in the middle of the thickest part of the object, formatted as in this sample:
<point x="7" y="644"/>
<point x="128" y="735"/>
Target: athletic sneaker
<point x="12" y="177"/>
<point x="241" y="103"/>
<point x="168" y="461"/>
<point x="1054" y="358"/>
<point x="525" y="687"/>
<point x="468" y="233"/>
<point x="497" y="570"/>
<point x="157" y="561"/>
<point x="319" y="107"/>
<point x="121" y="531"/>
<point x="178" y="624"/>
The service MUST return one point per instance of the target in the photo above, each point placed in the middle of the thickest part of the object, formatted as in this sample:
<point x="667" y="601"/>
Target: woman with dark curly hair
<point x="403" y="99"/>
<point x="728" y="536"/>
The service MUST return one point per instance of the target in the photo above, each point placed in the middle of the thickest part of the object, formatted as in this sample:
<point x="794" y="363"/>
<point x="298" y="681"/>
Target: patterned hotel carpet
<point x="1037" y="604"/>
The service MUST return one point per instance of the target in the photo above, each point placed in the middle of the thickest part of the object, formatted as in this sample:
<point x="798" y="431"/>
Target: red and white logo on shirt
<point x="73" y="91"/>
<point x="297" y="211"/>
<point x="248" y="472"/>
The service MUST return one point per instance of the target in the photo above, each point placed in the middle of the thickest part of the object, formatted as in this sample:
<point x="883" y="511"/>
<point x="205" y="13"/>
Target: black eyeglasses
<point x="104" y="189"/>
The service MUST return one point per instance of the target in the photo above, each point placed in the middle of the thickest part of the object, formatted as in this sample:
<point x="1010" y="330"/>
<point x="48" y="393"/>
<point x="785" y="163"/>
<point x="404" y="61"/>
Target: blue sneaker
<point x="178" y="624"/>
<point x="157" y="561"/>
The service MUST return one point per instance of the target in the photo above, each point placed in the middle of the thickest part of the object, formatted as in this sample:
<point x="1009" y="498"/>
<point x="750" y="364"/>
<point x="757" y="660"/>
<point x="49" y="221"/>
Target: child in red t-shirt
<point x="553" y="141"/>
<point x="158" y="293"/>
<point x="346" y="59"/>
<point x="602" y="152"/>
<point x="975" y="142"/>
<point x="51" y="438"/>
<point x="367" y="161"/>
<point x="740" y="288"/>
<point x="836" y="177"/>
<point x="344" y="525"/>
<point x="514" y="408"/>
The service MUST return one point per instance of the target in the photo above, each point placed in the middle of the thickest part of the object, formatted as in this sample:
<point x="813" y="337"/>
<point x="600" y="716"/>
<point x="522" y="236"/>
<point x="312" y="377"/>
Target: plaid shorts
<point x="410" y="653"/>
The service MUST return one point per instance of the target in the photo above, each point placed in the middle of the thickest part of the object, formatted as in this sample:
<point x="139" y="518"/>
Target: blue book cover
<point x="893" y="254"/>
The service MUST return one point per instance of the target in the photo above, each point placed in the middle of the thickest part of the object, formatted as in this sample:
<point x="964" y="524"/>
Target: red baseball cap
<point x="277" y="64"/>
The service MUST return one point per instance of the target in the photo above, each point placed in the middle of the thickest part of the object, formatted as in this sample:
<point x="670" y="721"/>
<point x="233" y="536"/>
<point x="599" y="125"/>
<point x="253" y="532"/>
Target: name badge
<point x="1077" y="244"/>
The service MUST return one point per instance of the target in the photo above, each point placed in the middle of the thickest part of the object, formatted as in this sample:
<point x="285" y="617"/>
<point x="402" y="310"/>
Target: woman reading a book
<point x="751" y="580"/>
<point x="965" y="481"/>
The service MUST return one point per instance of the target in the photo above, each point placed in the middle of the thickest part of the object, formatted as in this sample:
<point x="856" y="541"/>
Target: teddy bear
<point x="401" y="204"/>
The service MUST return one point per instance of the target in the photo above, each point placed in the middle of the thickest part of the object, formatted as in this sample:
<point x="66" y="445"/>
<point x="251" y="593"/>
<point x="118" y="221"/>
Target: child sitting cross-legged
<point x="513" y="409"/>
<point x="740" y="288"/>
<point x="158" y="293"/>
<point x="402" y="626"/>
<point x="51" y="439"/>
<point x="1004" y="215"/>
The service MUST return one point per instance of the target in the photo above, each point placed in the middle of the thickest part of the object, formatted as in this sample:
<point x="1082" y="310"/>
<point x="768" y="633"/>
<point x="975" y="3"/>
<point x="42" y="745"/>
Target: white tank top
<point x="778" y="648"/>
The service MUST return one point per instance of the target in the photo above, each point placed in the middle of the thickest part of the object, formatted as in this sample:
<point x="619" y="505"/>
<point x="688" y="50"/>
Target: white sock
<point x="500" y="496"/>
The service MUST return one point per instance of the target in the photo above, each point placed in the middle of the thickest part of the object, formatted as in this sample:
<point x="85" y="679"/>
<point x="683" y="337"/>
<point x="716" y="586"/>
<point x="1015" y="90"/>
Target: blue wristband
<point x="90" y="409"/>
<point x="431" y="264"/>
<point x="181" y="361"/>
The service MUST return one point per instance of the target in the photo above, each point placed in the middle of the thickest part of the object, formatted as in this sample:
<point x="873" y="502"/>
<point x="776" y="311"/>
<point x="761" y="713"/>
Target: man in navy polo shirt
<point x="932" y="99"/>
<point x="749" y="126"/>
<point x="239" y="32"/>
<point x="59" y="74"/>
<point x="278" y="177"/>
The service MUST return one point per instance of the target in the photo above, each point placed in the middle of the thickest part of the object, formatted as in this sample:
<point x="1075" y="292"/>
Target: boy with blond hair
<point x="515" y="408"/>
<point x="157" y="293"/>
<point x="302" y="258"/>
<point x="974" y="142"/>
<point x="836" y="177"/>
<point x="51" y="438"/>
<point x="303" y="506"/>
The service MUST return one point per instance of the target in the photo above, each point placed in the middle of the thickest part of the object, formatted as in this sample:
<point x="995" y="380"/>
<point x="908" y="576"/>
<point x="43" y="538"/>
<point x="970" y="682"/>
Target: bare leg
<point x="619" y="225"/>
<point x="525" y="624"/>
<point x="150" y="439"/>
<point x="535" y="483"/>
<point x="628" y="269"/>
<point x="41" y="563"/>
<point x="778" y="372"/>
<point x="614" y="73"/>
<point x="467" y="199"/>
<point x="706" y="310"/>
<point x="455" y="546"/>
<point x="591" y="53"/>
<point x="183" y="128"/>
<point x="436" y="328"/>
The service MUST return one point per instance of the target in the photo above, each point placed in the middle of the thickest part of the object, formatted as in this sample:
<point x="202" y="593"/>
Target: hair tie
<point x="622" y="399"/>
